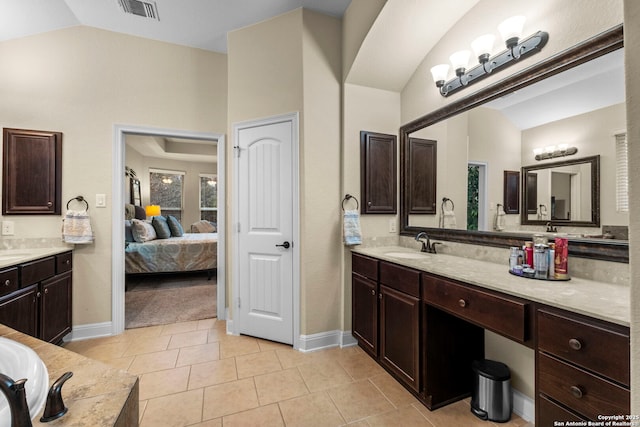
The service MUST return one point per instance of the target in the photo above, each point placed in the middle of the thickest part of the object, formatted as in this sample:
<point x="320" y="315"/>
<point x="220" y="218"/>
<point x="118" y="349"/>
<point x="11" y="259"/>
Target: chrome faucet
<point x="551" y="228"/>
<point x="17" y="398"/>
<point x="427" y="245"/>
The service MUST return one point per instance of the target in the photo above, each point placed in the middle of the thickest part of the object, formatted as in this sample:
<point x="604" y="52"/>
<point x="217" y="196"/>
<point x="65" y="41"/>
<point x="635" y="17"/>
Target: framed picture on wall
<point x="136" y="198"/>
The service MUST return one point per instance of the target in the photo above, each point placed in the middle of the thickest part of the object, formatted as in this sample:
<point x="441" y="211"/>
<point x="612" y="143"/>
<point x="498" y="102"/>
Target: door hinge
<point x="237" y="227"/>
<point x="238" y="302"/>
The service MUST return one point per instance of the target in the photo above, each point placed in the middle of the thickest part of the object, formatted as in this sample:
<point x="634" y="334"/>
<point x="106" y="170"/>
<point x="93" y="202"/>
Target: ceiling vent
<point x="146" y="9"/>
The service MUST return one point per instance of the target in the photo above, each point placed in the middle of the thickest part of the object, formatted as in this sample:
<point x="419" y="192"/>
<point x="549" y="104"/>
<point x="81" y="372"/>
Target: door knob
<point x="285" y="245"/>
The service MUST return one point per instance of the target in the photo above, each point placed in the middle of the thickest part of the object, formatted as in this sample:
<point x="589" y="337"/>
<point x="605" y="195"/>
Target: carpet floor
<point x="160" y="300"/>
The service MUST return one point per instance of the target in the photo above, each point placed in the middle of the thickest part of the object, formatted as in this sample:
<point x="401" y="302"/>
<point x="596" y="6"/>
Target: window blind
<point x="622" y="173"/>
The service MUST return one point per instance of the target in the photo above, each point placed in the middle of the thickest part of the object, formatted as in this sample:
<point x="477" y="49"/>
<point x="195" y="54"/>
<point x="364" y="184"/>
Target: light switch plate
<point x="101" y="200"/>
<point x="392" y="225"/>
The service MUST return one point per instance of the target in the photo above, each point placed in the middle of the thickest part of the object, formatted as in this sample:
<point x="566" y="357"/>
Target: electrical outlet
<point x="392" y="225"/>
<point x="7" y="228"/>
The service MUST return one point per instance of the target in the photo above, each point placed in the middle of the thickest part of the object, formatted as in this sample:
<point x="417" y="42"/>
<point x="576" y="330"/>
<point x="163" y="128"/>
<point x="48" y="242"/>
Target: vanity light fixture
<point x="510" y="30"/>
<point x="552" y="151"/>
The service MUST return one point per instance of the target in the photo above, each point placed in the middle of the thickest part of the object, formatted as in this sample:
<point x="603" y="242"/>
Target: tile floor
<point x="194" y="374"/>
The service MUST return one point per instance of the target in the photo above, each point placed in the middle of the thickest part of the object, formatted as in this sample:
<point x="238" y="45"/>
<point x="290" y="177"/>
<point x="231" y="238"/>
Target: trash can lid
<point x="491" y="369"/>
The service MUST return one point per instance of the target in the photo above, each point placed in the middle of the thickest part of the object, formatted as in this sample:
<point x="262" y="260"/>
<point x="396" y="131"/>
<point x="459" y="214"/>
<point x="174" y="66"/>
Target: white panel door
<point x="265" y="231"/>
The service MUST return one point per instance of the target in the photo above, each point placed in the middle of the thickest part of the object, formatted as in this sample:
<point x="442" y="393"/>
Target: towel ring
<point x="444" y="202"/>
<point x="349" y="197"/>
<point x="79" y="199"/>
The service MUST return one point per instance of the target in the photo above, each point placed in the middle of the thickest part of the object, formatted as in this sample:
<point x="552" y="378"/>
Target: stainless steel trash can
<point x="491" y="397"/>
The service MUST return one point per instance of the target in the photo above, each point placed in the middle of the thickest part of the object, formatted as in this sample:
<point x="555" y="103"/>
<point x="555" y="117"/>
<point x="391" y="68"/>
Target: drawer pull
<point x="576" y="391"/>
<point x="7" y="282"/>
<point x="68" y="262"/>
<point x="462" y="303"/>
<point x="575" y="344"/>
<point x="373" y="291"/>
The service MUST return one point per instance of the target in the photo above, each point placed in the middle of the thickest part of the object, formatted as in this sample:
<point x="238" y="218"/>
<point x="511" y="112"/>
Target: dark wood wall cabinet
<point x="32" y="172"/>
<point x="420" y="176"/>
<point x="378" y="177"/>
<point x="426" y="330"/>
<point x="35" y="297"/>
<point x="511" y="196"/>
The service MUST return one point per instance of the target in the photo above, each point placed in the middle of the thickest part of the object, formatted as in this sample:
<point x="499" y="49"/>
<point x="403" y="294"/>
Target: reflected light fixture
<point x="211" y="182"/>
<point x="552" y="151"/>
<point x="166" y="180"/>
<point x="510" y="30"/>
<point x="152" y="210"/>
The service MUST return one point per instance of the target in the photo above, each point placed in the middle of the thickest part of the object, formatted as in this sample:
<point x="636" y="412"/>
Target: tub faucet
<point x="17" y="398"/>
<point x="427" y="245"/>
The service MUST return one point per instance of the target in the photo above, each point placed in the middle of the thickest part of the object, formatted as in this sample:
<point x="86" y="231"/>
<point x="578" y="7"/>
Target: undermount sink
<point x="407" y="255"/>
<point x="19" y="361"/>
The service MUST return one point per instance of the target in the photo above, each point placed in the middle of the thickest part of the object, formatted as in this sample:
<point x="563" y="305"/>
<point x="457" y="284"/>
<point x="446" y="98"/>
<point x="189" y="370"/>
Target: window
<point x="165" y="188"/>
<point x="208" y="197"/>
<point x="622" y="173"/>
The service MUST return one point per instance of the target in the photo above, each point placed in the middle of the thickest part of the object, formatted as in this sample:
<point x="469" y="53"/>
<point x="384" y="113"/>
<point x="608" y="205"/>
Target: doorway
<point x="118" y="185"/>
<point x="477" y="212"/>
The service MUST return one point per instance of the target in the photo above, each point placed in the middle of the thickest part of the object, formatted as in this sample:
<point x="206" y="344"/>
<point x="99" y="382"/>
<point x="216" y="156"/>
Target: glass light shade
<point x="460" y="59"/>
<point x="512" y="27"/>
<point x="537" y="151"/>
<point x="152" y="210"/>
<point x="483" y="45"/>
<point x="440" y="72"/>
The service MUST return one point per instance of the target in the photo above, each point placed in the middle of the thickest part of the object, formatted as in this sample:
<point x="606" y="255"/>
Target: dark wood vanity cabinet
<point x="582" y="367"/>
<point x="41" y="306"/>
<point x="32" y="172"/>
<point x="378" y="180"/>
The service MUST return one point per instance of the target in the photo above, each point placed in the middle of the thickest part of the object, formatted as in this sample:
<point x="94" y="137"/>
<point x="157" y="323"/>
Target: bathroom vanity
<point x="35" y="291"/>
<point x="422" y="317"/>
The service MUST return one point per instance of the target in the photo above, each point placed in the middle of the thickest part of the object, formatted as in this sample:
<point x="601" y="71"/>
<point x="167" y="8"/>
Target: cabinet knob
<point x="462" y="303"/>
<point x="576" y="391"/>
<point x="49" y="204"/>
<point x="46" y="291"/>
<point x="369" y="203"/>
<point x="7" y="282"/>
<point x="68" y="262"/>
<point x="575" y="344"/>
<point x="38" y="294"/>
<point x="373" y="291"/>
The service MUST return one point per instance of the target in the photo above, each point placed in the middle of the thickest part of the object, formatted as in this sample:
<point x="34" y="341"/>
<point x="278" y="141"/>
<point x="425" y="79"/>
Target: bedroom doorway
<point x="171" y="141"/>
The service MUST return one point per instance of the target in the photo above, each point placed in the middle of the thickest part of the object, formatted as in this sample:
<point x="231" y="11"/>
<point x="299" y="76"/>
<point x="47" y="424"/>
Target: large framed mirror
<point x="452" y="125"/>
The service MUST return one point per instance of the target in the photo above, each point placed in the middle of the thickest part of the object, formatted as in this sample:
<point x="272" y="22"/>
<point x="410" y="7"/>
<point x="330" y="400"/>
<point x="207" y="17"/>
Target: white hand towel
<point x="499" y="220"/>
<point x="76" y="228"/>
<point x="449" y="219"/>
<point x="352" y="232"/>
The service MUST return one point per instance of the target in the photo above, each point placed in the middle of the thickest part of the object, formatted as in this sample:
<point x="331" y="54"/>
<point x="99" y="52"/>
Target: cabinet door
<point x="420" y="170"/>
<point x="32" y="172"/>
<point x="55" y="321"/>
<point x="20" y="310"/>
<point x="399" y="335"/>
<point x="378" y="172"/>
<point x="365" y="313"/>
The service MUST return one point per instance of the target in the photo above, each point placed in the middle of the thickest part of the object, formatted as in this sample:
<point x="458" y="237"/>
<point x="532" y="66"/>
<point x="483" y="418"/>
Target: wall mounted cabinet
<point x="378" y="177"/>
<point x="32" y="172"/>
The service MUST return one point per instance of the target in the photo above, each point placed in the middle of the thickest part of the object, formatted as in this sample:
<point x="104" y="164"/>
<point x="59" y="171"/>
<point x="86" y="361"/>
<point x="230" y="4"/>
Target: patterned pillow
<point x="128" y="234"/>
<point x="162" y="228"/>
<point x="202" y="226"/>
<point x="175" y="226"/>
<point x="142" y="231"/>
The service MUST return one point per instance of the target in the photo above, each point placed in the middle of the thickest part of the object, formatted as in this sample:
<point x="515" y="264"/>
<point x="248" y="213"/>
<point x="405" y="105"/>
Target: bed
<point x="160" y="245"/>
<point x="189" y="252"/>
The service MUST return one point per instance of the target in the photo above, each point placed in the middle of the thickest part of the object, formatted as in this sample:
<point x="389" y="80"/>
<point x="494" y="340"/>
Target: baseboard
<point x="323" y="340"/>
<point x="524" y="406"/>
<point x="92" y="330"/>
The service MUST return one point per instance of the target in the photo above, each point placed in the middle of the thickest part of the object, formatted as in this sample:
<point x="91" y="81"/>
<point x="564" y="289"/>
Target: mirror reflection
<point x="582" y="108"/>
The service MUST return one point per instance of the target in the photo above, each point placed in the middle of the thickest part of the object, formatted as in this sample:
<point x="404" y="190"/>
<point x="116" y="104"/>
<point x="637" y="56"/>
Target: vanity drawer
<point x="550" y="412"/>
<point x="364" y="266"/>
<point x="588" y="394"/>
<point x="490" y="310"/>
<point x="402" y="279"/>
<point x="587" y="344"/>
<point x="64" y="262"/>
<point x="33" y="272"/>
<point x="8" y="281"/>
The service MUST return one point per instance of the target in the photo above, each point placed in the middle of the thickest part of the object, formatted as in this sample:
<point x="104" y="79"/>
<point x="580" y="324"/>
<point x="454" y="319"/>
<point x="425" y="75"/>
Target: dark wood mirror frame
<point x="590" y="49"/>
<point x="594" y="162"/>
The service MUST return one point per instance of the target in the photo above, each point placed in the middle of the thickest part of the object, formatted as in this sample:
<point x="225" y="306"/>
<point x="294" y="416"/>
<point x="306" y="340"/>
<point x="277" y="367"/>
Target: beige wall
<point x="81" y="81"/>
<point x="632" y="63"/>
<point x="287" y="64"/>
<point x="357" y="20"/>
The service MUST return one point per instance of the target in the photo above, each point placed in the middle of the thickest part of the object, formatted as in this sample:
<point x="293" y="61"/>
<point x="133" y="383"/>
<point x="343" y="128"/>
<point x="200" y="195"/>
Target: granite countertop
<point x="603" y="301"/>
<point x="97" y="394"/>
<point x="9" y="257"/>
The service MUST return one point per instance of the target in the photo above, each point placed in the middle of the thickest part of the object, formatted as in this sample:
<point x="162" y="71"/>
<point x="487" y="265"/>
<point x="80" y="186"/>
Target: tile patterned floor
<point x="194" y="374"/>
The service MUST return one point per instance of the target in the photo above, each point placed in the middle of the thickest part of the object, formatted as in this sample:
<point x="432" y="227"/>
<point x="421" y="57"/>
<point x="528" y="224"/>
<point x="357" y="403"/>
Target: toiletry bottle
<point x="552" y="260"/>
<point x="528" y="253"/>
<point x="561" y="258"/>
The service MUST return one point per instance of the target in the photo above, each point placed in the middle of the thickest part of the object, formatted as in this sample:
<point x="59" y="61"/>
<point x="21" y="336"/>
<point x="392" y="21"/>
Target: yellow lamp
<point x="152" y="210"/>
